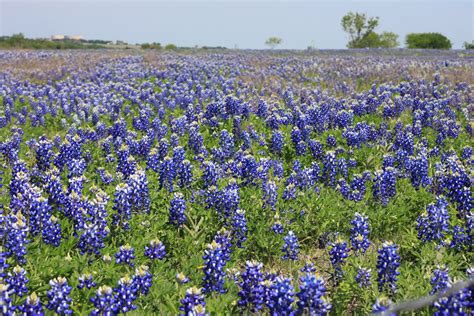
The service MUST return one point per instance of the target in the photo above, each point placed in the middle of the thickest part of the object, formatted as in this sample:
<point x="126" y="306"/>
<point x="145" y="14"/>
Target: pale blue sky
<point x="228" y="23"/>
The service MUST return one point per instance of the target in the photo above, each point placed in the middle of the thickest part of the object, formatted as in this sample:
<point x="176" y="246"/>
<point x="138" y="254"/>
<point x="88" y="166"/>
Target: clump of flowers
<point x="103" y="301"/>
<point x="86" y="281"/>
<point x="338" y="252"/>
<point x="124" y="296"/>
<point x="125" y="255"/>
<point x="291" y="246"/>
<point x="58" y="297"/>
<point x="433" y="224"/>
<point x="312" y="296"/>
<point x="251" y="289"/>
<point x="156" y="250"/>
<point x="214" y="265"/>
<point x="177" y="215"/>
<point x="360" y="233"/>
<point x="17" y="281"/>
<point x="388" y="262"/>
<point x="193" y="302"/>
<point x="281" y="297"/>
<point x="363" y="277"/>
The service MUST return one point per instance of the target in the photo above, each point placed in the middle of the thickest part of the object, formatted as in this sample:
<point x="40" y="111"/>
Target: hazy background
<point x="242" y="24"/>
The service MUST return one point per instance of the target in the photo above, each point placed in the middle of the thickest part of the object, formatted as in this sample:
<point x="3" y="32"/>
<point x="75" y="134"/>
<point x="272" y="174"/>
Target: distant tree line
<point x="362" y="35"/>
<point x="427" y="40"/>
<point x="20" y="41"/>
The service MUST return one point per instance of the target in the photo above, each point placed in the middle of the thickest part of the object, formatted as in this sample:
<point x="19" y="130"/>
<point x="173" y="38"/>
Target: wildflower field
<point x="239" y="182"/>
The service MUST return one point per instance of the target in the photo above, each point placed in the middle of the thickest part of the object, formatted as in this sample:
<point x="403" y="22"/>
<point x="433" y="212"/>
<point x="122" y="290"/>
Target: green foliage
<point x="359" y="27"/>
<point x="468" y="45"/>
<point x="427" y="40"/>
<point x="171" y="47"/>
<point x="153" y="45"/>
<point x="273" y="42"/>
<point x="362" y="35"/>
<point x="388" y="40"/>
<point x="19" y="41"/>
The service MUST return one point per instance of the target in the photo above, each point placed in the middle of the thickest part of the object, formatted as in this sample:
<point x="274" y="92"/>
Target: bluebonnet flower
<point x="181" y="278"/>
<point x="467" y="153"/>
<point x="6" y="307"/>
<point x="193" y="299"/>
<point x="156" y="250"/>
<point x="388" y="262"/>
<point x="214" y="265"/>
<point x="360" y="233"/>
<point x="122" y="205"/>
<point x="381" y="305"/>
<point x="281" y="297"/>
<point x="418" y="169"/>
<point x="440" y="280"/>
<point x="270" y="195"/>
<point x="153" y="160"/>
<point x="44" y="153"/>
<point x="103" y="301"/>
<point x="32" y="306"/>
<point x="86" y="281"/>
<point x="338" y="252"/>
<point x="251" y="290"/>
<point x="363" y="277"/>
<point x="460" y="239"/>
<point x="290" y="247"/>
<point x="126" y="163"/>
<point x="167" y="174"/>
<point x="177" y="215"/>
<point x="355" y="191"/>
<point x="52" y="232"/>
<point x="277" y="142"/>
<point x="142" y="280"/>
<point x="311" y="296"/>
<point x="125" y="295"/>
<point x="331" y="141"/>
<point x="185" y="174"/>
<point x="126" y="255"/>
<point x="290" y="192"/>
<point x="384" y="187"/>
<point x="3" y="262"/>
<point x="210" y="174"/>
<point x="230" y="199"/>
<point x="433" y="224"/>
<point x="452" y="180"/>
<point x="316" y="148"/>
<point x="330" y="168"/>
<point x="139" y="194"/>
<point x="17" y="281"/>
<point x="239" y="227"/>
<point x="16" y="237"/>
<point x="455" y="304"/>
<point x="223" y="237"/>
<point x="58" y="297"/>
<point x="277" y="227"/>
<point x="308" y="268"/>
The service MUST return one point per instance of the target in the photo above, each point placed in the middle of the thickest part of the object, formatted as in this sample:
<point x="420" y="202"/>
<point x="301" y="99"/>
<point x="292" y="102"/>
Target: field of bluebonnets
<point x="234" y="183"/>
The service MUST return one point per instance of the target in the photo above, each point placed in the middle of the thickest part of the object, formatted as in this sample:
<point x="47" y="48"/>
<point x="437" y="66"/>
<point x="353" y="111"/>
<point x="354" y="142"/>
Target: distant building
<point x="74" y="37"/>
<point x="118" y="42"/>
<point x="60" y="37"/>
<point x="57" y="37"/>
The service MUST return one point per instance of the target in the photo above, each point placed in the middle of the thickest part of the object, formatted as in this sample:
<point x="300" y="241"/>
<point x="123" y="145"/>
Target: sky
<point x="233" y="23"/>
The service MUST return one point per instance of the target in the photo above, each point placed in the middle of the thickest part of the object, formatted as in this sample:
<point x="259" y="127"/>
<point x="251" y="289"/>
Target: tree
<point x="359" y="27"/>
<point x="171" y="47"/>
<point x="427" y="40"/>
<point x="273" y="42"/>
<point x="468" y="45"/>
<point x="388" y="40"/>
